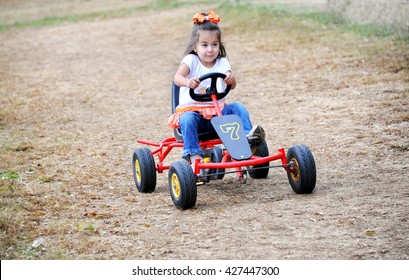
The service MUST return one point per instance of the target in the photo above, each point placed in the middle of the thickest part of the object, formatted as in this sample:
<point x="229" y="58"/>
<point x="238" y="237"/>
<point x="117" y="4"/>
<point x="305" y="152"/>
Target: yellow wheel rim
<point x="295" y="174"/>
<point x="138" y="170"/>
<point x="175" y="185"/>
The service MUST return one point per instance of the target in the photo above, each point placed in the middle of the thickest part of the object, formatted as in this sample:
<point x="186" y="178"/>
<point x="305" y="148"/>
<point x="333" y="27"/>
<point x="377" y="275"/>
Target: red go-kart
<point x="226" y="149"/>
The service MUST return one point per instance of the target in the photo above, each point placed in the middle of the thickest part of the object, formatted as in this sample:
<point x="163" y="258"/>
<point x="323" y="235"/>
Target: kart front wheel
<point x="303" y="174"/>
<point x="144" y="170"/>
<point x="182" y="185"/>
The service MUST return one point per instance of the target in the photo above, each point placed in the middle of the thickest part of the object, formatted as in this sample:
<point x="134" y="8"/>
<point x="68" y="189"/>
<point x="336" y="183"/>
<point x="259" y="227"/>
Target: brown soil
<point x="76" y="96"/>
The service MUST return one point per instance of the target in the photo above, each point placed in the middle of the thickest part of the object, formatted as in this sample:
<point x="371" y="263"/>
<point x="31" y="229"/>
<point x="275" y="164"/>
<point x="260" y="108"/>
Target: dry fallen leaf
<point x="95" y="215"/>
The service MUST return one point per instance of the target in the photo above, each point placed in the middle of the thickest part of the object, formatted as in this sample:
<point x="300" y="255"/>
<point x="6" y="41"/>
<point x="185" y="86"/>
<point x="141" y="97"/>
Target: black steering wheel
<point x="211" y="90"/>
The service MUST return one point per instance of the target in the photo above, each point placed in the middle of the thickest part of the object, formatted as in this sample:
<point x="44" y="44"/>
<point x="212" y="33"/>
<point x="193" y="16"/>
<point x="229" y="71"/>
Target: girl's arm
<point x="181" y="80"/>
<point x="230" y="80"/>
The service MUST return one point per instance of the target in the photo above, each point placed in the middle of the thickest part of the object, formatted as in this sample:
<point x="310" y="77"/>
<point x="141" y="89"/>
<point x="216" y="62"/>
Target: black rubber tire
<point x="182" y="185"/>
<point x="216" y="155"/>
<point x="260" y="148"/>
<point x="144" y="170"/>
<point x="304" y="177"/>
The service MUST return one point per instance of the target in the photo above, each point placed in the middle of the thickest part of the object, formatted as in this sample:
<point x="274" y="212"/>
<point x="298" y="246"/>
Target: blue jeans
<point x="192" y="123"/>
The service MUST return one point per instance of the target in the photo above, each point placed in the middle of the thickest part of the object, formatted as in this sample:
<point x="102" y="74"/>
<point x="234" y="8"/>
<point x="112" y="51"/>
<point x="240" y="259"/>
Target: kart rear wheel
<point x="303" y="176"/>
<point x="144" y="170"/>
<point x="259" y="148"/>
<point x="182" y="184"/>
<point x="216" y="155"/>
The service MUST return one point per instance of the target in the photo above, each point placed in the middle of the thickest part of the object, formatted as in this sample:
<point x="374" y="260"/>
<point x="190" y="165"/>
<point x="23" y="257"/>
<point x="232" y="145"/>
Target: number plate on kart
<point x="231" y="132"/>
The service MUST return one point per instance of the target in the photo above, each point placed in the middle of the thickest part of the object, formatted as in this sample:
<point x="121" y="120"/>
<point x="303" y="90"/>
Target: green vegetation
<point x="45" y="179"/>
<point x="281" y="14"/>
<point x="153" y="6"/>
<point x="254" y="15"/>
<point x="10" y="175"/>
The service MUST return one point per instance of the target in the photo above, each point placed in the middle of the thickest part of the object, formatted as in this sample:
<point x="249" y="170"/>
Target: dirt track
<point x="75" y="97"/>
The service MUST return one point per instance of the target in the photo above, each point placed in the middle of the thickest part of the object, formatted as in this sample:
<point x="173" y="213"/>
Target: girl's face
<point x="207" y="47"/>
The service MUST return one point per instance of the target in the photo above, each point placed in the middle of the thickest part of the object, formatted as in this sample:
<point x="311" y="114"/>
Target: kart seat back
<point x="178" y="134"/>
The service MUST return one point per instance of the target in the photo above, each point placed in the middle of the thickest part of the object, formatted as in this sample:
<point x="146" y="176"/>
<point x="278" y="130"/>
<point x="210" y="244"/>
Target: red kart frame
<point x="183" y="179"/>
<point x="166" y="146"/>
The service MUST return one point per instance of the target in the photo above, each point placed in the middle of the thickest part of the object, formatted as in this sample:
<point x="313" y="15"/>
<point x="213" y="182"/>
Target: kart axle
<point x="289" y="166"/>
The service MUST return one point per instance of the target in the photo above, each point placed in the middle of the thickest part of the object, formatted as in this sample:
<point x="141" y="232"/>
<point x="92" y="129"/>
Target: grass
<point x="281" y="14"/>
<point x="10" y="175"/>
<point x="69" y="19"/>
<point x="45" y="179"/>
<point x="249" y="14"/>
<point x="153" y="6"/>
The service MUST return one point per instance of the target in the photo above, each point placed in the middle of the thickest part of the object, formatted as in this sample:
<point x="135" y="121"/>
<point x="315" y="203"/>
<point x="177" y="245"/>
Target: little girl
<point x="204" y="54"/>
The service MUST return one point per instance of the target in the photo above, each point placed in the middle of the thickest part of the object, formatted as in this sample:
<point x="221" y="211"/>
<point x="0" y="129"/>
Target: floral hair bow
<point x="210" y="16"/>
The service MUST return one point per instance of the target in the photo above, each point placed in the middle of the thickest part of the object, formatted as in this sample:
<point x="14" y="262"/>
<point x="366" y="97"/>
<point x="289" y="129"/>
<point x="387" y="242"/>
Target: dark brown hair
<point x="206" y="26"/>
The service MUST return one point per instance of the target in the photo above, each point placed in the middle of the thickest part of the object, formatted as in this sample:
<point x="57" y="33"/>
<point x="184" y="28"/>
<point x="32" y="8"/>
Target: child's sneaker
<point x="193" y="161"/>
<point x="203" y="172"/>
<point x="256" y="131"/>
